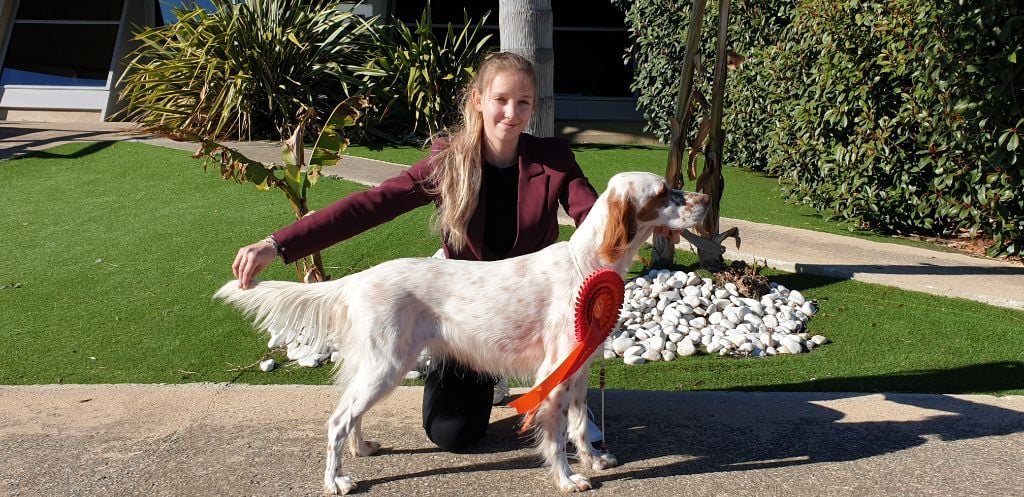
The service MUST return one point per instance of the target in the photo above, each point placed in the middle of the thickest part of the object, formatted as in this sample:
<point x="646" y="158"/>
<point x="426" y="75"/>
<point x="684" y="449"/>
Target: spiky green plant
<point x="425" y="73"/>
<point x="242" y="70"/>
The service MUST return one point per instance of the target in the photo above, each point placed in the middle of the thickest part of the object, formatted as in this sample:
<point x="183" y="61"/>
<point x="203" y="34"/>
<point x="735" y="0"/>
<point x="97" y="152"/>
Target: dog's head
<point x="638" y="202"/>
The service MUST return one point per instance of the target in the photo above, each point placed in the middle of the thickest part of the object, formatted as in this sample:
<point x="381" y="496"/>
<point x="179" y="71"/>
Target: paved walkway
<point x="218" y="440"/>
<point x="213" y="440"/>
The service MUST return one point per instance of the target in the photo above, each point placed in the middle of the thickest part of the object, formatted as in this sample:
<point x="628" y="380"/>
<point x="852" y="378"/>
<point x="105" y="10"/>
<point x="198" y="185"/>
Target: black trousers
<point x="456" y="405"/>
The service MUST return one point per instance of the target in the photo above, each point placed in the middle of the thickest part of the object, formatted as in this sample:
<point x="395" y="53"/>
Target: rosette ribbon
<point x="597" y="311"/>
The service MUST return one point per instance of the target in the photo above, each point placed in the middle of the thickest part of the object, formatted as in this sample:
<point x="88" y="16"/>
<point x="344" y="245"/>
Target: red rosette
<point x="597" y="311"/>
<point x="598" y="304"/>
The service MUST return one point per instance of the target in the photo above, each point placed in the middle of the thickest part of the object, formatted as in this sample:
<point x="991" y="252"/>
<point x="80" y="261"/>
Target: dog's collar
<point x="575" y="261"/>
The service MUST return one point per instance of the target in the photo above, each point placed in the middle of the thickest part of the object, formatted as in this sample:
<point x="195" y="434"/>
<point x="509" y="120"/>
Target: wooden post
<point x="663" y="254"/>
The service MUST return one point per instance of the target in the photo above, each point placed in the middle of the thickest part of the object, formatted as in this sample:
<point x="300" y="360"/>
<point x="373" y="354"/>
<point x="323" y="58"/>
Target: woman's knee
<point x="455" y="434"/>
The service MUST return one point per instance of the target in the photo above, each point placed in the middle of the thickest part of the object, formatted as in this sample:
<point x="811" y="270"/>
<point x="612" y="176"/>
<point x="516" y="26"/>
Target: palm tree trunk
<point x="525" y="28"/>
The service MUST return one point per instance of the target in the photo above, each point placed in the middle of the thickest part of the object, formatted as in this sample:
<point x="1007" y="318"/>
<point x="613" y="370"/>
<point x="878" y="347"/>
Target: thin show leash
<point x="601" y="370"/>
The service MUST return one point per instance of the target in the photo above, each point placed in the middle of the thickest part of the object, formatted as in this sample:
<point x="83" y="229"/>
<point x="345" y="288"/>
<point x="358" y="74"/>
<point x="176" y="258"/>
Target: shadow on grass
<point x="78" y="152"/>
<point x="761" y="430"/>
<point x="586" y="147"/>
<point x="990" y="377"/>
<point x="849" y="270"/>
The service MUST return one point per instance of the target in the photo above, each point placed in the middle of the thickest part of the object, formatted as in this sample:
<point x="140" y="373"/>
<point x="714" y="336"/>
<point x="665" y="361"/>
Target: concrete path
<point x="220" y="440"/>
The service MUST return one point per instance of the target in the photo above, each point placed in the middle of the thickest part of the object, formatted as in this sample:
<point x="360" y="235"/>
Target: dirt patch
<point x="748" y="280"/>
<point x="974" y="246"/>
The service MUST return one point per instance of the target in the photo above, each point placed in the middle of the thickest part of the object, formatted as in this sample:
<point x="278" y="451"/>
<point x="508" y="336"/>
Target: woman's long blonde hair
<point x="455" y="179"/>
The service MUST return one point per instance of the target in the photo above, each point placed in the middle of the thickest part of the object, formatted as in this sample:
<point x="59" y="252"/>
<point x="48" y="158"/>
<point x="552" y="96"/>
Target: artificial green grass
<point x="111" y="252"/>
<point x="748" y="195"/>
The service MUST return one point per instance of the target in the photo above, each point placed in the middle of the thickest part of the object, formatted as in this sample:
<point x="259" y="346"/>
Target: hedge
<point x="899" y="115"/>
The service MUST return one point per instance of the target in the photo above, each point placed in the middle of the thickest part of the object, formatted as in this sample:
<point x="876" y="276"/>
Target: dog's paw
<point x="575" y="483"/>
<point x="339" y="485"/>
<point x="604" y="461"/>
<point x="364" y="448"/>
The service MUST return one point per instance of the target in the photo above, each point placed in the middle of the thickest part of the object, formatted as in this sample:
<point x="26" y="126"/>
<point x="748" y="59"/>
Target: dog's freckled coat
<point x="511" y="318"/>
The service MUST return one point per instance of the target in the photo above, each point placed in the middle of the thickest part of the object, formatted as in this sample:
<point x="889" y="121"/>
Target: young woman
<point x="497" y="192"/>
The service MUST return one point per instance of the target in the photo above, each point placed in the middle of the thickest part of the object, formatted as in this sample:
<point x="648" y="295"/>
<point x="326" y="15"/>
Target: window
<point x="64" y="43"/>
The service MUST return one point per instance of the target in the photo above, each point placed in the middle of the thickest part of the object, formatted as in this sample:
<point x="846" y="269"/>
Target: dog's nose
<point x="698" y="199"/>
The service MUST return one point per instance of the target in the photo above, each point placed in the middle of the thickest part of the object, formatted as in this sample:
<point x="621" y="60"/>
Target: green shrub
<point x="246" y="69"/>
<point x="893" y="113"/>
<point x="424" y="75"/>
<point x="901" y="116"/>
<point x="658" y="33"/>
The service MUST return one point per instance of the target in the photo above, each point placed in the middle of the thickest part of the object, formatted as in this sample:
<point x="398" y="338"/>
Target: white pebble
<point x="310" y="361"/>
<point x="686" y="348"/>
<point x="619" y="345"/>
<point x="267" y="365"/>
<point x="651" y="355"/>
<point x="790" y="345"/>
<point x="633" y="351"/>
<point x="715" y="317"/>
<point x="633" y="360"/>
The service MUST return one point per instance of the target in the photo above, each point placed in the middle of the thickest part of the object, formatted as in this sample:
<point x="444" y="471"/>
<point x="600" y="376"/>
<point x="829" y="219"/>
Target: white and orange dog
<point x="511" y="318"/>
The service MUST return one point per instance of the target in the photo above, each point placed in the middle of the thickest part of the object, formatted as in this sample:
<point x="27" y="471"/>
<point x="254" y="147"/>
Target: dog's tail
<point x="309" y="313"/>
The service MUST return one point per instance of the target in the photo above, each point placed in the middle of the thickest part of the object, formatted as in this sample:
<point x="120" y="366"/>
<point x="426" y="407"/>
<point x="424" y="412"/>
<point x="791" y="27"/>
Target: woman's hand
<point x="252" y="259"/>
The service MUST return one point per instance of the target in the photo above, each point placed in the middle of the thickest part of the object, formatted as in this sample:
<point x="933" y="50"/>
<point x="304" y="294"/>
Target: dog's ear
<point x="620" y="230"/>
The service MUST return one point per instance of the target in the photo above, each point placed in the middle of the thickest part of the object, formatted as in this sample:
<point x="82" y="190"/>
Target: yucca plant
<point x="425" y="73"/>
<point x="242" y="70"/>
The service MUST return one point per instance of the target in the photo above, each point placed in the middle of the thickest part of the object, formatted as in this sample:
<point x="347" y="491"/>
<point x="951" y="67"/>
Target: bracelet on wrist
<point x="273" y="243"/>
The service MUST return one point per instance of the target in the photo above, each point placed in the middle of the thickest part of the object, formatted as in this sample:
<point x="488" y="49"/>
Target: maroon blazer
<point x="548" y="177"/>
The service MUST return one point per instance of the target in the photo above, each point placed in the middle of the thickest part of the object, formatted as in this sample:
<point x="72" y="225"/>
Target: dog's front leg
<point x="578" y="425"/>
<point x="552" y="439"/>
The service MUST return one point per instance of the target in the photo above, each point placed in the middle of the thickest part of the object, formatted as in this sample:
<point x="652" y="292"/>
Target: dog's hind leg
<point x="357" y="446"/>
<point x="373" y="380"/>
<point x="590" y="457"/>
<point x="552" y="439"/>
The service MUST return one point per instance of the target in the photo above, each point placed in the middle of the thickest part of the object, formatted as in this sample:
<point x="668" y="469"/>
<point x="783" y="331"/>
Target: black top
<point x="501" y="185"/>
